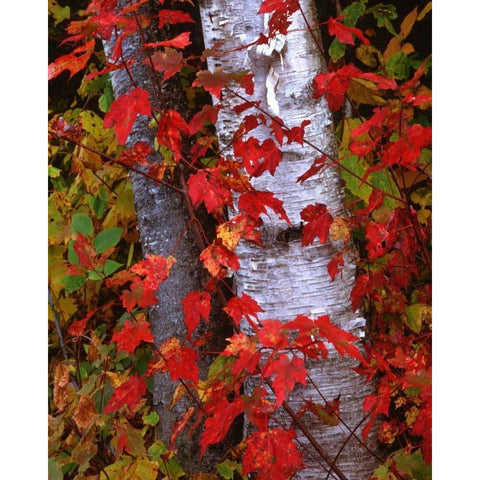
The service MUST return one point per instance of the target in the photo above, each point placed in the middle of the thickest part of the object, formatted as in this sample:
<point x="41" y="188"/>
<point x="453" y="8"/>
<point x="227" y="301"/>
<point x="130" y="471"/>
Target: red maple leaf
<point x="72" y="62"/>
<point x="246" y="349"/>
<point x="132" y="334"/>
<point x="208" y="113"/>
<point x="378" y="240"/>
<point x="138" y="295"/>
<point x="170" y="128"/>
<point x="85" y="252"/>
<point x="206" y="186"/>
<point x="180" y="41"/>
<point x="318" y="220"/>
<point x="273" y="454"/>
<point x="155" y="270"/>
<point x="286" y="372"/>
<point x="169" y="62"/>
<point x="123" y="112"/>
<point x="334" y="265"/>
<point x="254" y="203"/>
<point x="216" y="426"/>
<point x="340" y="339"/>
<point x="296" y="134"/>
<point x="179" y="361"/>
<point x="317" y="165"/>
<point x="128" y="393"/>
<point x="216" y="257"/>
<point x="77" y="328"/>
<point x="136" y="155"/>
<point x="173" y="16"/>
<point x="196" y="305"/>
<point x="252" y="151"/>
<point x="345" y="34"/>
<point x="212" y="82"/>
<point x="273" y="334"/>
<point x="244" y="306"/>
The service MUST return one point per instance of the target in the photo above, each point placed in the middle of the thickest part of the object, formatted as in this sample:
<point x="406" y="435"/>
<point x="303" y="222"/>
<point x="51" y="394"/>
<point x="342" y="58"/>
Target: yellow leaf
<point x="393" y="47"/>
<point x="85" y="412"/>
<point x="422" y="14"/>
<point x="364" y="91"/>
<point x="62" y="394"/>
<point x="407" y="24"/>
<point x="369" y="55"/>
<point x="339" y="229"/>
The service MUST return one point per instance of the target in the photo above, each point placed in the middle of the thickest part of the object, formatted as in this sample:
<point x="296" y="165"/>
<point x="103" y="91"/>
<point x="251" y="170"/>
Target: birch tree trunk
<point x="163" y="220"/>
<point x="285" y="278"/>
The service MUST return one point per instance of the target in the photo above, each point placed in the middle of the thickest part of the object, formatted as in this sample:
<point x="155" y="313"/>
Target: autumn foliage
<point x="102" y="352"/>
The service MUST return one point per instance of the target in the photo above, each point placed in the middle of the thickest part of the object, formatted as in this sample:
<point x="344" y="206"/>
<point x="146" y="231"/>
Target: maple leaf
<point x="212" y="82"/>
<point x="246" y="349"/>
<point x="378" y="240"/>
<point x="216" y="426"/>
<point x="173" y="16"/>
<point x="329" y="414"/>
<point x="244" y="306"/>
<point x="128" y="393"/>
<point x="359" y="290"/>
<point x="340" y="339"/>
<point x="85" y="252"/>
<point x="206" y="186"/>
<point x="296" y="134"/>
<point x="139" y="295"/>
<point x="334" y="265"/>
<point x="208" y="113"/>
<point x="241" y="226"/>
<point x="85" y="412"/>
<point x="155" y="270"/>
<point x="77" y="328"/>
<point x="123" y="112"/>
<point x="169" y="62"/>
<point x="318" y="220"/>
<point x="286" y="372"/>
<point x="132" y="334"/>
<point x="376" y="405"/>
<point x="273" y="334"/>
<point x="254" y="202"/>
<point x="216" y="256"/>
<point x="345" y="34"/>
<point x="252" y="151"/>
<point x="317" y="165"/>
<point x="136" y="155"/>
<point x="273" y="453"/>
<point x="178" y="360"/>
<point x="72" y="62"/>
<point x="280" y="6"/>
<point x="196" y="305"/>
<point x="180" y="41"/>
<point x="170" y="128"/>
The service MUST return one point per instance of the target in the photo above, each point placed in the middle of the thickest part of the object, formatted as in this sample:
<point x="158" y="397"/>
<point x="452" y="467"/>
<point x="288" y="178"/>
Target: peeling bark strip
<point x="285" y="278"/>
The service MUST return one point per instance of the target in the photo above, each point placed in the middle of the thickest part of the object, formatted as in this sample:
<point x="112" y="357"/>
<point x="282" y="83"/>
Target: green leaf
<point x="110" y="267"/>
<point x="53" y="172"/>
<point x="107" y="238"/>
<point x="383" y="473"/>
<point x="384" y="14"/>
<point x="54" y="472"/>
<point x="99" y="202"/>
<point x="151" y="419"/>
<point x="228" y="468"/>
<point x="59" y="13"/>
<point x="352" y="13"/>
<point x="413" y="465"/>
<point x="418" y="314"/>
<point x="106" y="99"/>
<point x="337" y="50"/>
<point x="82" y="223"/>
<point x="73" y="283"/>
<point x="72" y="255"/>
<point x="398" y="66"/>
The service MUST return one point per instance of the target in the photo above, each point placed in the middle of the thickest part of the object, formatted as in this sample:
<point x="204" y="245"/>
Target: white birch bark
<point x="285" y="278"/>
